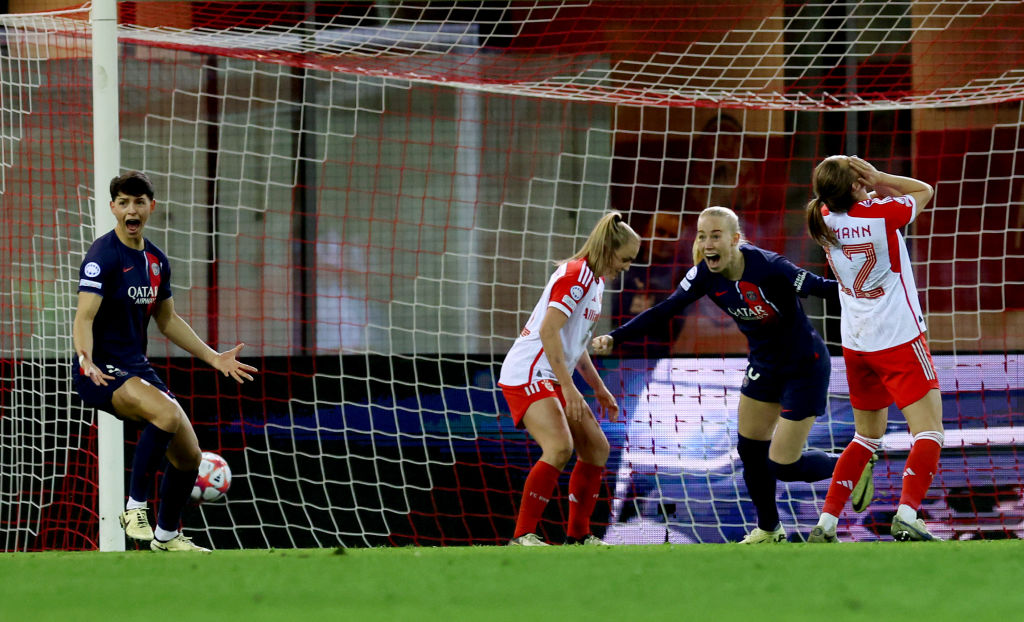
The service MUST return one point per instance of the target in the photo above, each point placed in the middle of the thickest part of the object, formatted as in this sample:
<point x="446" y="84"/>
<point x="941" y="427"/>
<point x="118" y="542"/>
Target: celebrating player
<point x="536" y="380"/>
<point x="787" y="376"/>
<point x="855" y="215"/>
<point x="124" y="281"/>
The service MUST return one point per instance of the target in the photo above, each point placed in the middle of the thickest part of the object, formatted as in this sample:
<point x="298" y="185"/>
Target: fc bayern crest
<point x="576" y="292"/>
<point x="155" y="269"/>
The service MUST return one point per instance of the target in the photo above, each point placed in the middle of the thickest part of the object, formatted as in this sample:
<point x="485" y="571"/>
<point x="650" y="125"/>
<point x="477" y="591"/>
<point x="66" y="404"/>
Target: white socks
<point x="906" y="513"/>
<point x="132" y="504"/>
<point x="163" y="535"/>
<point x="828" y="522"/>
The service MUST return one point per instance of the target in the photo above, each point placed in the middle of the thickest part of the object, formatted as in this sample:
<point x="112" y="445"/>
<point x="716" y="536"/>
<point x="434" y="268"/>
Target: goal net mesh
<point x="371" y="196"/>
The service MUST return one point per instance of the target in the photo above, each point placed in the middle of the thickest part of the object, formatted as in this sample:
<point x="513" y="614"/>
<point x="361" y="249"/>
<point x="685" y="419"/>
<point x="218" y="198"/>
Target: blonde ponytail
<point x="609" y="235"/>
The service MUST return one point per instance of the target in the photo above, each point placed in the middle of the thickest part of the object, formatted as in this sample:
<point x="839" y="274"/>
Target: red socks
<point x="540" y="483"/>
<point x="922" y="463"/>
<point x="584" y="486"/>
<point x="848" y="470"/>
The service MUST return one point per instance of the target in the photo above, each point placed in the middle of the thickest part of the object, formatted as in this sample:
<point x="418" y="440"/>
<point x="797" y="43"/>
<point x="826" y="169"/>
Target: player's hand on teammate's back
<point x="602" y="344"/>
<point x="228" y="364"/>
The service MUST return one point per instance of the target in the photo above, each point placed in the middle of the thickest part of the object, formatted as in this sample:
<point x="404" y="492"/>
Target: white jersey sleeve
<point x="574" y="290"/>
<point x="880" y="305"/>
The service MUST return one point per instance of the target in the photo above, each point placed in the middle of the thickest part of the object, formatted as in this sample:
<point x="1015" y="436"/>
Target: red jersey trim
<point x="894" y="219"/>
<point x="533" y="365"/>
<point x="155" y="276"/>
<point x="570" y="288"/>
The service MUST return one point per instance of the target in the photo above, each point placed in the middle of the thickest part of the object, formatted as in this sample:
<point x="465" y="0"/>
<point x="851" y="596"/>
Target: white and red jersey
<point x="880" y="307"/>
<point x="574" y="290"/>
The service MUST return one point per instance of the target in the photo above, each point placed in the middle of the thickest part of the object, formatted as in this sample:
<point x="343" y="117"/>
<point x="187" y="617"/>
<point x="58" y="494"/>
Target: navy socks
<point x="175" y="489"/>
<point x="813" y="466"/>
<point x="149" y="451"/>
<point x="759" y="476"/>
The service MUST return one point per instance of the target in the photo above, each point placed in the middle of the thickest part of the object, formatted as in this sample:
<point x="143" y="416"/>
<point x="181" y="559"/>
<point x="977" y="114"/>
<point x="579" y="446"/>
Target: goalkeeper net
<point x="371" y="196"/>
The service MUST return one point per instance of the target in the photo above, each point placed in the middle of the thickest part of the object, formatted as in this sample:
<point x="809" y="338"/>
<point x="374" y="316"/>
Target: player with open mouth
<point x="786" y="383"/>
<point x="124" y="281"/>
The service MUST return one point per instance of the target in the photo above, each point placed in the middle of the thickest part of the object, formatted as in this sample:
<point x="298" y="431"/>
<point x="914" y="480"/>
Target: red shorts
<point x="520" y="398"/>
<point x="903" y="374"/>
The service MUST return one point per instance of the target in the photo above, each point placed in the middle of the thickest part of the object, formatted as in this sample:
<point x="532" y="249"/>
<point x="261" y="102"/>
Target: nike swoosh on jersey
<point x="127" y="269"/>
<point x="721" y="293"/>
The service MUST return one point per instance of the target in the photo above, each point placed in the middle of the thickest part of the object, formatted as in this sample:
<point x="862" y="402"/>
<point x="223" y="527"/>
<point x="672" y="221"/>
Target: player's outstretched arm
<point x="657" y="315"/>
<point x="228" y="364"/>
<point x="807" y="283"/>
<point x="181" y="334"/>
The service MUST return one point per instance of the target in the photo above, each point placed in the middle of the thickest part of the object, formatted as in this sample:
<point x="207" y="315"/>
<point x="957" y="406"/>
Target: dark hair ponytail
<point x="833" y="188"/>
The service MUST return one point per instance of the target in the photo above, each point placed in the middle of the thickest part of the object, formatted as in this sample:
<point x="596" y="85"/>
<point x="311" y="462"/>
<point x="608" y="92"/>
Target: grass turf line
<point x="935" y="581"/>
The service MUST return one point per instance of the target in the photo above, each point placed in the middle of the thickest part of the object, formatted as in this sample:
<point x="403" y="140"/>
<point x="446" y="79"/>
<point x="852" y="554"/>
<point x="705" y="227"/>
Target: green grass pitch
<point x="963" y="581"/>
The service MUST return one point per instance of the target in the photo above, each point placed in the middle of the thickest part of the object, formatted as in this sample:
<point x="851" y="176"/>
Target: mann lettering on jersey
<point x="880" y="306"/>
<point x="852" y="233"/>
<point x="574" y="290"/>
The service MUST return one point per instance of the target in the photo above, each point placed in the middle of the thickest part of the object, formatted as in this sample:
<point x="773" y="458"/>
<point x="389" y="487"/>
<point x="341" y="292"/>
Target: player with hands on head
<point x="124" y="281"/>
<point x="536" y="380"/>
<point x="785" y="386"/>
<point x="856" y="214"/>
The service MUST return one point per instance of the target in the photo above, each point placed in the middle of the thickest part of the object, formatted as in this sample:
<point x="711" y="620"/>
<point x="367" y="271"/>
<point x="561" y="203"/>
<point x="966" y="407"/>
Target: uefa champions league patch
<point x="576" y="292"/>
<point x="92" y="269"/>
<point x="688" y="279"/>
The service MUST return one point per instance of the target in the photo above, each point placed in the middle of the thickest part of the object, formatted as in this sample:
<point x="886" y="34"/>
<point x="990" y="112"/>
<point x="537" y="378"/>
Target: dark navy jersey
<point x="765" y="304"/>
<point x="131" y="282"/>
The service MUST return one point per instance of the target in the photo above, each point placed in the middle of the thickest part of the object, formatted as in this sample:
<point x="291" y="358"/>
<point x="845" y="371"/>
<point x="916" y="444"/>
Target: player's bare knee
<point x="597" y="451"/>
<point x="188" y="461"/>
<point x="558" y="454"/>
<point x="184" y="452"/>
<point x="166" y="417"/>
<point x="783" y="454"/>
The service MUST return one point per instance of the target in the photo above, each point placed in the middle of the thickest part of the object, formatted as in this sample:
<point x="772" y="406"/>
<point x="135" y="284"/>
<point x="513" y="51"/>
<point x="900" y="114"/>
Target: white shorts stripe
<point x="926" y="364"/>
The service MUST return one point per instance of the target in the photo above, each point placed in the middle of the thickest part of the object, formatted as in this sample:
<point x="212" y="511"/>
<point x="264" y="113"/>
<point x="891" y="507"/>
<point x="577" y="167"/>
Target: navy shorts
<point x="802" y="390"/>
<point x="101" y="396"/>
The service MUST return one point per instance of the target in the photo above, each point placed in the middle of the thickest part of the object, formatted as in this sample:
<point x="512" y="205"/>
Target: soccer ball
<point x="213" y="480"/>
